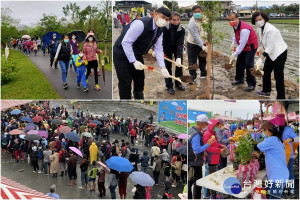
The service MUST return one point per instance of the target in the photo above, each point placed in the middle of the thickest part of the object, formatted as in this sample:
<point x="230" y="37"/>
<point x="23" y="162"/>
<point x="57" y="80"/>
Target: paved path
<point x="54" y="77"/>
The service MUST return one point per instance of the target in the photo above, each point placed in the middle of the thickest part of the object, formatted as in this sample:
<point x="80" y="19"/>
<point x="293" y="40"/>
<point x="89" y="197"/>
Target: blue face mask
<point x="197" y="15"/>
<point x="216" y="129"/>
<point x="264" y="135"/>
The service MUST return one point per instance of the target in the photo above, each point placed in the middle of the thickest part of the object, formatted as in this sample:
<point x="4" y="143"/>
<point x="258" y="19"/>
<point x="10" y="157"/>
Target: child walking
<point x="81" y="69"/>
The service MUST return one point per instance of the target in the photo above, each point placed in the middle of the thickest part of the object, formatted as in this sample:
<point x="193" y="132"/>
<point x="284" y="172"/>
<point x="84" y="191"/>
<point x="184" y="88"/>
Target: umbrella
<point x="183" y="136"/>
<point x="104" y="118"/>
<point x="72" y="136"/>
<point x="119" y="164"/>
<point x="87" y="134"/>
<point x="33" y="132"/>
<point x="43" y="134"/>
<point x="37" y="118"/>
<point x="22" y="136"/>
<point x="15" y="112"/>
<point x="65" y="129"/>
<point x="16" y="132"/>
<point x="141" y="178"/>
<point x="41" y="112"/>
<point x="182" y="150"/>
<point x="26" y="119"/>
<point x="103" y="165"/>
<point x="25" y="37"/>
<point x="103" y="70"/>
<point x="30" y="124"/>
<point x="77" y="151"/>
<point x="32" y="137"/>
<point x="57" y="122"/>
<point x="80" y="35"/>
<point x="96" y="122"/>
<point x="49" y="36"/>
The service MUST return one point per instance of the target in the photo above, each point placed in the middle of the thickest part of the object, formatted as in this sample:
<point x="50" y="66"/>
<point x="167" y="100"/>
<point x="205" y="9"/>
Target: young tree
<point x="211" y="10"/>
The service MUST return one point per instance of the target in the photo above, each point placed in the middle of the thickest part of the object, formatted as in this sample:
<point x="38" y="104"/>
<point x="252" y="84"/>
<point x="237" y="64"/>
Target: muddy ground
<point x="155" y="84"/>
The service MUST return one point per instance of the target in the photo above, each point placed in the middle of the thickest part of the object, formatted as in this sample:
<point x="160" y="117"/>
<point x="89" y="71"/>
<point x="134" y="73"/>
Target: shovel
<point x="229" y="66"/>
<point x="103" y="70"/>
<point x="257" y="72"/>
<point x="191" y="67"/>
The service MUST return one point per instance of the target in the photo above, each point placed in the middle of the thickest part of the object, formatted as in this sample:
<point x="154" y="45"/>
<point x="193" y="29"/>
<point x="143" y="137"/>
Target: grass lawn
<point x="172" y="125"/>
<point x="29" y="82"/>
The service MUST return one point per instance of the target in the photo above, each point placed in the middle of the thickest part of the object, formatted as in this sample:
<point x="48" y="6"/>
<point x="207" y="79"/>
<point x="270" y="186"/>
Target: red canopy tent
<point x="6" y="104"/>
<point x="13" y="190"/>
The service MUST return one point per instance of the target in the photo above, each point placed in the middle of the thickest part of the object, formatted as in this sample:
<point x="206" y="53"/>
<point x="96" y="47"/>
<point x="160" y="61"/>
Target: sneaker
<point x="81" y="187"/>
<point x="40" y="172"/>
<point x="86" y="89"/>
<point x="97" y="87"/>
<point x="34" y="171"/>
<point x="65" y="85"/>
<point x="78" y="85"/>
<point x="263" y="94"/>
<point x="174" y="186"/>
<point x="46" y="174"/>
<point x="98" y="73"/>
<point x="87" y="82"/>
<point x="202" y="77"/>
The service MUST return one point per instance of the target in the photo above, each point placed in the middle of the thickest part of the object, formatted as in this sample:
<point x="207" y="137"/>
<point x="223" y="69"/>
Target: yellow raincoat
<point x="93" y="152"/>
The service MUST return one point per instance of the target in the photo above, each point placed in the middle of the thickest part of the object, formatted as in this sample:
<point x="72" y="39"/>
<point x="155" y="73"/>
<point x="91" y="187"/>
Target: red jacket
<point x="133" y="132"/>
<point x="252" y="37"/>
<point x="213" y="150"/>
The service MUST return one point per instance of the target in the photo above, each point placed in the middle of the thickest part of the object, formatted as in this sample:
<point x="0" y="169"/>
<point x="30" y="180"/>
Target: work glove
<point x="178" y="61"/>
<point x="232" y="58"/>
<point x="232" y="46"/>
<point x="153" y="54"/>
<point x="138" y="65"/>
<point x="165" y="72"/>
<point x="204" y="48"/>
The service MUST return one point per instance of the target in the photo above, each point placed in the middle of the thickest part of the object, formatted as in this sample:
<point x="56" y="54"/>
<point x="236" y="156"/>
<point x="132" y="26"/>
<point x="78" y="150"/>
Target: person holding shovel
<point x="195" y="43"/>
<point x="246" y="39"/>
<point x="173" y="41"/>
<point x="135" y="41"/>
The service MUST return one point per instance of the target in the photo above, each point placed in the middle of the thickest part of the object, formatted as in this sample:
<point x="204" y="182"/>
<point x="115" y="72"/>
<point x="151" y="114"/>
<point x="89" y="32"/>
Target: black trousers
<point x="193" y="54"/>
<point x="52" y="55"/>
<point x="278" y="67"/>
<point x="223" y="163"/>
<point x="197" y="189"/>
<point x="245" y="61"/>
<point x="212" y="169"/>
<point x="156" y="176"/>
<point x="127" y="73"/>
<point x="178" y="70"/>
<point x="92" y="65"/>
<point x="35" y="165"/>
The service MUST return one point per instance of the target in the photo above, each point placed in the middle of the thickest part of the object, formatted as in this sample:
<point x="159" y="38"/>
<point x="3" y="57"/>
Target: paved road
<point x="42" y="183"/>
<point x="54" y="77"/>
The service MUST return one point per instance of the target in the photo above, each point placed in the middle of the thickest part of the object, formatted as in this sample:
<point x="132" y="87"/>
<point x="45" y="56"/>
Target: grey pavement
<point x="54" y="77"/>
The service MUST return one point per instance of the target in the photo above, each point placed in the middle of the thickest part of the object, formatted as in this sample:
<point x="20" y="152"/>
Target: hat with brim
<point x="279" y="120"/>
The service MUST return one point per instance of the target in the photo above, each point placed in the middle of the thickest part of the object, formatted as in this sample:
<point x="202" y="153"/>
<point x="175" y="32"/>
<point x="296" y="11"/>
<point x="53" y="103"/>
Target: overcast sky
<point x="239" y="109"/>
<point x="32" y="11"/>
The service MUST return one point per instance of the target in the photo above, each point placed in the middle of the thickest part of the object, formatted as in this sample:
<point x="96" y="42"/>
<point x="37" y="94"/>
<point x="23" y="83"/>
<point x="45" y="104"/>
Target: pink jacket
<point x="89" y="51"/>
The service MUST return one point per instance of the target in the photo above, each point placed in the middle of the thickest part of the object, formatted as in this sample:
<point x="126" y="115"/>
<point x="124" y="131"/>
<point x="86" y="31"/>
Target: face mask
<point x="174" y="26"/>
<point x="54" y="37"/>
<point x="161" y="23"/>
<point x="197" y="15"/>
<point x="73" y="37"/>
<point x="216" y="129"/>
<point x="260" y="23"/>
<point x="80" y="55"/>
<point x="233" y="23"/>
<point x="66" y="40"/>
<point x="204" y="129"/>
<point x="90" y="39"/>
<point x="222" y="128"/>
<point x="249" y="127"/>
<point x="264" y="135"/>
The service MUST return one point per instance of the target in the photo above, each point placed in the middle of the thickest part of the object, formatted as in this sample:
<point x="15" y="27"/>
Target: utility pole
<point x="256" y="6"/>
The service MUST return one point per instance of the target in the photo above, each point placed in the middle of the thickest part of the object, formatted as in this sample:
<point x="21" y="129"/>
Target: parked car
<point x="273" y="15"/>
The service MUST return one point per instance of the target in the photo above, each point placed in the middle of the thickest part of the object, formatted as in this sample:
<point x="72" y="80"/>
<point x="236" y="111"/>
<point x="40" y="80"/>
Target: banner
<point x="173" y="115"/>
<point x="192" y="116"/>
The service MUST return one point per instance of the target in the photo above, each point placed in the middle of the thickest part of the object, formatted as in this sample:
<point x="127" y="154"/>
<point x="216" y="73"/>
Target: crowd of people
<point x="161" y="34"/>
<point x="67" y="52"/>
<point x="52" y="154"/>
<point x="276" y="142"/>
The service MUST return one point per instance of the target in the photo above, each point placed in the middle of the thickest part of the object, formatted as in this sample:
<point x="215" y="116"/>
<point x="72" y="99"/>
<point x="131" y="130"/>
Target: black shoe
<point x="65" y="85"/>
<point x="180" y="87"/>
<point x="250" y="88"/>
<point x="86" y="89"/>
<point x="78" y="85"/>
<point x="171" y="91"/>
<point x="50" y="66"/>
<point x="237" y="82"/>
<point x="61" y="174"/>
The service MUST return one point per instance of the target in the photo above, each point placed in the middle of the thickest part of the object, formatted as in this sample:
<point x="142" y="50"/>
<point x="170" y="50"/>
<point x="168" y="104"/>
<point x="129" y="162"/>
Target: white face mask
<point x="90" y="39"/>
<point x="260" y="23"/>
<point x="249" y="127"/>
<point x="80" y="55"/>
<point x="204" y="129"/>
<point x="73" y="37"/>
<point x="161" y="23"/>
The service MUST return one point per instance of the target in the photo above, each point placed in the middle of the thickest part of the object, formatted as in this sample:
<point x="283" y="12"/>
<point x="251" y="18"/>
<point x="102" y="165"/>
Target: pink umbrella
<point x="77" y="151"/>
<point x="16" y="132"/>
<point x="65" y="129"/>
<point x="37" y="118"/>
<point x="43" y="134"/>
<point x="183" y="136"/>
<point x="41" y="112"/>
<point x="104" y="165"/>
<point x="33" y="132"/>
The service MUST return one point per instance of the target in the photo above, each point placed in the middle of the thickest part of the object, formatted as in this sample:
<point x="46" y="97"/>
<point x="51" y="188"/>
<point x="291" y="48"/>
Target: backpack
<point x="41" y="155"/>
<point x="64" y="156"/>
<point x="124" y="151"/>
<point x="156" y="151"/>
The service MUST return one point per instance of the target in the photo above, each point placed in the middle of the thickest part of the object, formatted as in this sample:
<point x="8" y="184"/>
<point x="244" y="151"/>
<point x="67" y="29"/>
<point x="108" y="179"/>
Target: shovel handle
<point x="172" y="77"/>
<point x="184" y="67"/>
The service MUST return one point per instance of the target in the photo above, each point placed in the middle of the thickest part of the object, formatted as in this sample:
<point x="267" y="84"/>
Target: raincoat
<point x="54" y="166"/>
<point x="93" y="152"/>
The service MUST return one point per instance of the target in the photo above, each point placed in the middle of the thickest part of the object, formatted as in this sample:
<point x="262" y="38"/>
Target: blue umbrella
<point x="26" y="119"/>
<point x="119" y="164"/>
<point x="96" y="122"/>
<point x="182" y="150"/>
<point x="49" y="36"/>
<point x="28" y="128"/>
<point x="15" y="112"/>
<point x="72" y="136"/>
<point x="141" y="178"/>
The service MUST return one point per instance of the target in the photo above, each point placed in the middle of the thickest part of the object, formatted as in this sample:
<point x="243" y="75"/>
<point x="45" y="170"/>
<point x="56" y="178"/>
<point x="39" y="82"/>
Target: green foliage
<point x="287" y="9"/>
<point x="172" y="5"/>
<point x="50" y="23"/>
<point x="8" y="32"/>
<point x="243" y="152"/>
<point x="8" y="70"/>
